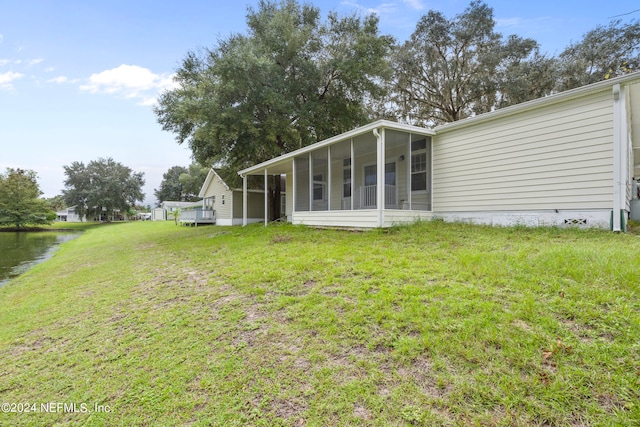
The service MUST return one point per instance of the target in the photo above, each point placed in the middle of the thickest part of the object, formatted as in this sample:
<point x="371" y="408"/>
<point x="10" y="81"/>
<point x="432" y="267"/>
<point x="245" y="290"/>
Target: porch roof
<point x="282" y="163"/>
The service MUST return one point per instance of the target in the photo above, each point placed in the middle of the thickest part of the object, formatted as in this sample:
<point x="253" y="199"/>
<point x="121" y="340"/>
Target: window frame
<point x="416" y="153"/>
<point x="346" y="181"/>
<point x="319" y="184"/>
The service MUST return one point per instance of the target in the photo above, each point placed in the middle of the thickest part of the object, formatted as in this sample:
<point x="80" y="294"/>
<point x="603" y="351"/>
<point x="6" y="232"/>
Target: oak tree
<point x="20" y="202"/>
<point x="102" y="187"/>
<point x="292" y="80"/>
<point x="454" y="68"/>
<point x="604" y="52"/>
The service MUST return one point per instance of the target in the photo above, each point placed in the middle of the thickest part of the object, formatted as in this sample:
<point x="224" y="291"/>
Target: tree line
<point x="97" y="190"/>
<point x="101" y="187"/>
<point x="295" y="78"/>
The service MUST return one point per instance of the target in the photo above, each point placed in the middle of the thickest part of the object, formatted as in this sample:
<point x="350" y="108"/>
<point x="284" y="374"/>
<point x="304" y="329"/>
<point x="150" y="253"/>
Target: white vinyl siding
<point x="633" y="131"/>
<point x="255" y="204"/>
<point x="338" y="201"/>
<point x="366" y="218"/>
<point x="634" y="111"/>
<point x="361" y="218"/>
<point x="554" y="157"/>
<point x="218" y="189"/>
<point x="289" y="195"/>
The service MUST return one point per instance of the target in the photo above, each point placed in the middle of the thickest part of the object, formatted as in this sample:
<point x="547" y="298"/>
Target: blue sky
<point x="78" y="79"/>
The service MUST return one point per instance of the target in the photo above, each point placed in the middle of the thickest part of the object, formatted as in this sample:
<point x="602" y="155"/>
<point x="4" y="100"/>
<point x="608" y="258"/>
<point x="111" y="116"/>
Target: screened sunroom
<point x="377" y="175"/>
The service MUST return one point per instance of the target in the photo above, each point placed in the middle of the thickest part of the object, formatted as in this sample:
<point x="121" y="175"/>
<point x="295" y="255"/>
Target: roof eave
<point x="210" y="177"/>
<point x="335" y="139"/>
<point x="537" y="103"/>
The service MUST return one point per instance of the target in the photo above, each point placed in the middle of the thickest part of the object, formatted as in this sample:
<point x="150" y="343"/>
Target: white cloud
<point x="526" y="24"/>
<point x="62" y="79"/>
<point x="1" y="37"/>
<point x="7" y="78"/>
<point x="414" y="4"/>
<point x="130" y="81"/>
<point x="10" y="61"/>
<point x="35" y="61"/>
<point x="508" y="22"/>
<point x="380" y="10"/>
<point x="49" y="69"/>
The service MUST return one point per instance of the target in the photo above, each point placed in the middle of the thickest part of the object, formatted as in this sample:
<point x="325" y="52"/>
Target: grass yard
<point x="433" y="324"/>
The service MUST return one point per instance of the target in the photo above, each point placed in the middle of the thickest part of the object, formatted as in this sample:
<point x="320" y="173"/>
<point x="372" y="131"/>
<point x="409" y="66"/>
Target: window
<point x="390" y="173"/>
<point x="419" y="165"/>
<point x="418" y="145"/>
<point x="346" y="178"/>
<point x="370" y="175"/>
<point x="318" y="187"/>
<point x="223" y="199"/>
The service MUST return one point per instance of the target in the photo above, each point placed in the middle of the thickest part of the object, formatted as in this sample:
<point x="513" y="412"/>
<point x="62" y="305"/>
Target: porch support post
<point x="353" y="175"/>
<point x="310" y="182"/>
<point x="329" y="178"/>
<point x="409" y="172"/>
<point x="266" y="198"/>
<point x="380" y="175"/>
<point x="244" y="200"/>
<point x="620" y="159"/>
<point x="295" y="188"/>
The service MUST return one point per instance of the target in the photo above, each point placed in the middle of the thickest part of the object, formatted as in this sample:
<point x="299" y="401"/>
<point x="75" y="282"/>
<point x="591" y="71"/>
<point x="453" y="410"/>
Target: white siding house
<point x="226" y="201"/>
<point x="168" y="210"/>
<point x="566" y="159"/>
<point x="69" y="215"/>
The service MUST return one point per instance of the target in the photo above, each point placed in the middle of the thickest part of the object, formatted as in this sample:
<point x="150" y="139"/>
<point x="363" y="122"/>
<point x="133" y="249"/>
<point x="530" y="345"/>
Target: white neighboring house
<point x="69" y="215"/>
<point x="168" y="210"/>
<point x="566" y="159"/>
<point x="226" y="201"/>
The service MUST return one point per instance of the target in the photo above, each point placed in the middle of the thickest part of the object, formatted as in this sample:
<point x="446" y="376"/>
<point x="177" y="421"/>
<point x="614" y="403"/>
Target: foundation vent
<point x="575" y="221"/>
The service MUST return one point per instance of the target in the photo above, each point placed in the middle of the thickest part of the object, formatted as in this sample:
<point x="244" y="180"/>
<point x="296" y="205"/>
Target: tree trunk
<point x="274" y="198"/>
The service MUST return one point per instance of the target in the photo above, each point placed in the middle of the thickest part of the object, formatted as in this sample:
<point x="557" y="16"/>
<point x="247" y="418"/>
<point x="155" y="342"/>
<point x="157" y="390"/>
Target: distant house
<point x="168" y="210"/>
<point x="69" y="215"/>
<point x="219" y="194"/>
<point x="566" y="159"/>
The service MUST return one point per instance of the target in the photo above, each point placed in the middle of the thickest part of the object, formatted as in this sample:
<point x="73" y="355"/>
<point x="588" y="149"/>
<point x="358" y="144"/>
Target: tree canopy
<point x="450" y="69"/>
<point x="20" y="202"/>
<point x="101" y="187"/>
<point x="57" y="203"/>
<point x="295" y="78"/>
<point x="292" y="80"/>
<point x="170" y="186"/>
<point x="181" y="184"/>
<point x="604" y="52"/>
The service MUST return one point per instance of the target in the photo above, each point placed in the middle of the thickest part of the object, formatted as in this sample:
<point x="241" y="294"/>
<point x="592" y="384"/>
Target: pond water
<point x="21" y="250"/>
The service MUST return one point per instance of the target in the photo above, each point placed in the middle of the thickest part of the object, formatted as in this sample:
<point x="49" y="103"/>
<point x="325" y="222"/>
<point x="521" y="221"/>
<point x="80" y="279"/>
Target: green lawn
<point x="432" y="324"/>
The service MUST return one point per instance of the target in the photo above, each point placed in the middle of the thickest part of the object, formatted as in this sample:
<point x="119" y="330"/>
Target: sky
<point x="78" y="79"/>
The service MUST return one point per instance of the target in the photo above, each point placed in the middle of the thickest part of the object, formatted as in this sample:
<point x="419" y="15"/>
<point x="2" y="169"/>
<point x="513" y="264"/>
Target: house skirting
<point x="360" y="218"/>
<point x="369" y="218"/>
<point x="562" y="218"/>
<point x="236" y="221"/>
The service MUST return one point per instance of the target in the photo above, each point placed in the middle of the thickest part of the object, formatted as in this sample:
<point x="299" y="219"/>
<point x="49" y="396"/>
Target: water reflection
<point x="19" y="251"/>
